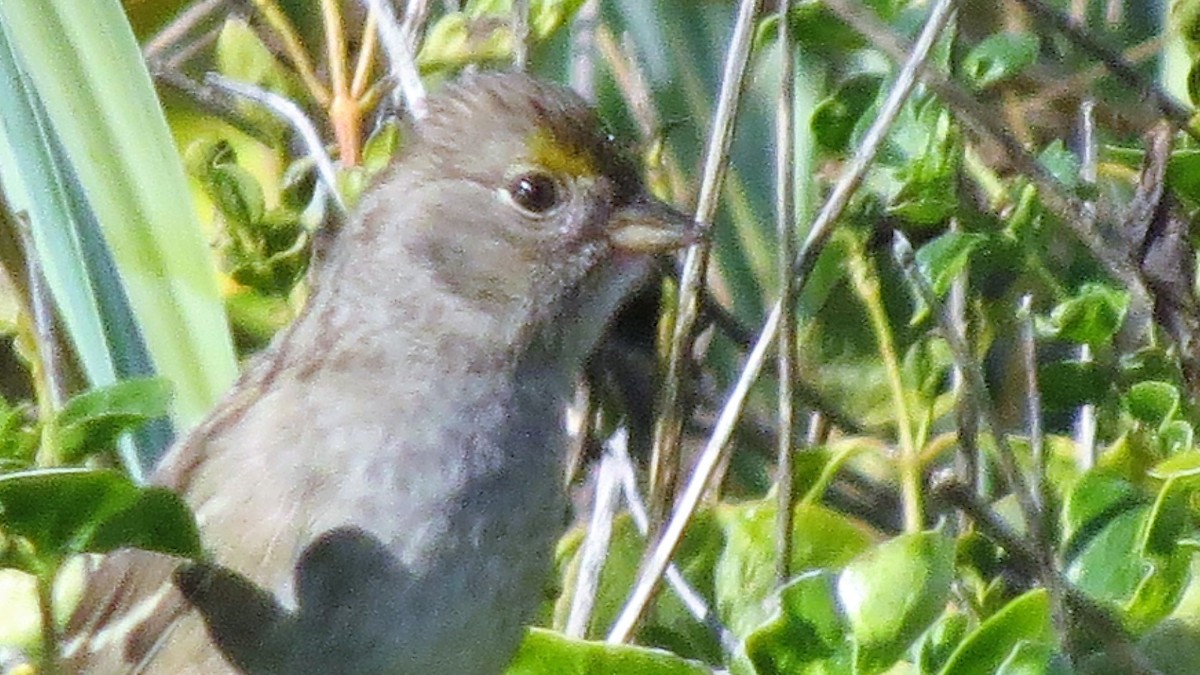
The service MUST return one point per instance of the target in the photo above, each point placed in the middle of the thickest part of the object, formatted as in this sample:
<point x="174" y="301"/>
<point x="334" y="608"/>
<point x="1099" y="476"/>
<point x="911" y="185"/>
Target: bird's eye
<point x="535" y="192"/>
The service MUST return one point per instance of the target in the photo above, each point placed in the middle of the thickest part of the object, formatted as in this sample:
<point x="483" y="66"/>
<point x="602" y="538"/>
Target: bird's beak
<point x="649" y="226"/>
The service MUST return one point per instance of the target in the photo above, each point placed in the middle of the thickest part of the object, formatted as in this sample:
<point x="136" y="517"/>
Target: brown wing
<point x="132" y="612"/>
<point x="132" y="617"/>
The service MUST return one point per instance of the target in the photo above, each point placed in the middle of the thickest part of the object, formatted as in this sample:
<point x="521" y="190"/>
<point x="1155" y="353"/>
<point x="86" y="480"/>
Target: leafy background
<point x="980" y="456"/>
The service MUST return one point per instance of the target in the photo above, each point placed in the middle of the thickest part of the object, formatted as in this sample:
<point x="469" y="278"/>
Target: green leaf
<point x="893" y="593"/>
<point x="815" y="29"/>
<point x="999" y="57"/>
<point x="805" y="634"/>
<point x="745" y="573"/>
<point x="1035" y="658"/>
<point x="62" y="512"/>
<point x="1184" y="468"/>
<point x="1061" y="163"/>
<point x="1096" y="498"/>
<point x="927" y="168"/>
<point x="241" y="55"/>
<point x="1166" y="523"/>
<point x="983" y="652"/>
<point x="1176" y="436"/>
<point x="92" y="421"/>
<point x="1114" y="567"/>
<point x="940" y="641"/>
<point x="380" y="147"/>
<point x="482" y="32"/>
<point x="943" y="259"/>
<point x="236" y="194"/>
<point x="834" y="119"/>
<point x="1183" y="174"/>
<point x="1152" y="403"/>
<point x="1092" y="317"/>
<point x="18" y="437"/>
<point x="545" y="652"/>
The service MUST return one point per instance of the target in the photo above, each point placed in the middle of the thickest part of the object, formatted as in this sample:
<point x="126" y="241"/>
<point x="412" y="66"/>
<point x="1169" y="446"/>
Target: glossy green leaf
<point x="1167" y="521"/>
<point x="62" y="512"/>
<point x="999" y="57"/>
<point x="893" y="593"/>
<point x="1120" y="566"/>
<point x="1159" y="592"/>
<point x="943" y="259"/>
<point x="92" y="421"/>
<point x="1062" y="163"/>
<point x="805" y="634"/>
<point x="1035" y="658"/>
<point x="834" y="119"/>
<point x="545" y="652"/>
<point x="1152" y="403"/>
<point x="1092" y="317"/>
<point x="984" y="651"/>
<point x="745" y="574"/>
<point x="1183" y="467"/>
<point x="1096" y="498"/>
<point x="940" y="641"/>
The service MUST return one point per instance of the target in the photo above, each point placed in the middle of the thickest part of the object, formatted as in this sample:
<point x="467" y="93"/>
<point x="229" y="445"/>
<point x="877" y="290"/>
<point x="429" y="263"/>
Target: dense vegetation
<point x="976" y="454"/>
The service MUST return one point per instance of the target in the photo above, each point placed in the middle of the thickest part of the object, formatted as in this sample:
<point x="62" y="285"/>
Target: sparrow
<point x="382" y="489"/>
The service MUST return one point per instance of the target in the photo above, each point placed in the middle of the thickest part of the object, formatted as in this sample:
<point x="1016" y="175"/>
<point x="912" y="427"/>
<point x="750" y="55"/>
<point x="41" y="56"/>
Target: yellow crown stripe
<point x="551" y="154"/>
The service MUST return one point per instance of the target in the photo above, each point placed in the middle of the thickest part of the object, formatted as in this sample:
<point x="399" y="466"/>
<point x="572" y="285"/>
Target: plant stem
<point x="283" y="28"/>
<point x="45" y="593"/>
<point x="866" y="284"/>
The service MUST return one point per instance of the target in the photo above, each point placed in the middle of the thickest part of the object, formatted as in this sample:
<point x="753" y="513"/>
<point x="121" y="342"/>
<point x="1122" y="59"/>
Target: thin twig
<point x="41" y="311"/>
<point x="977" y="116"/>
<point x="366" y="56"/>
<point x="293" y="115"/>
<point x="1085" y="420"/>
<point x="976" y="386"/>
<point x="970" y="465"/>
<point x="175" y="32"/>
<point x="819" y="233"/>
<point x="583" y="50"/>
<point x="664" y="459"/>
<point x="521" y="34"/>
<point x="1123" y="70"/>
<point x="294" y="48"/>
<point x="596" y="541"/>
<point x="399" y="42"/>
<point x="690" y="597"/>
<point x="785" y="228"/>
<point x="183" y="55"/>
<point x="215" y="101"/>
<point x="1042" y="528"/>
